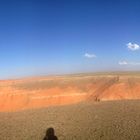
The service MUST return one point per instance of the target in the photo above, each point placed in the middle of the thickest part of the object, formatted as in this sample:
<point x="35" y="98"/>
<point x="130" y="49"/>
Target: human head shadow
<point x="50" y="134"/>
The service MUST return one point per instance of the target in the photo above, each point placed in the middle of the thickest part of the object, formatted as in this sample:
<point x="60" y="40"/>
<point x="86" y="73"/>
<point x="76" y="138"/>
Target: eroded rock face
<point x="52" y="91"/>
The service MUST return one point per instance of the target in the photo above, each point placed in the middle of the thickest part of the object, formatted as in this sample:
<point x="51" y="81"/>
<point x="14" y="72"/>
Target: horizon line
<point x="70" y="74"/>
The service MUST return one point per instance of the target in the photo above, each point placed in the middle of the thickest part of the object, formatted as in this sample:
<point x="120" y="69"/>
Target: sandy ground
<point x="79" y="107"/>
<point x="106" y="120"/>
<point x="28" y="93"/>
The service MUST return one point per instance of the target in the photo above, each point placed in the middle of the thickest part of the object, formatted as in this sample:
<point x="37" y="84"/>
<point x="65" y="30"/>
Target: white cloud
<point x="87" y="55"/>
<point x="123" y="63"/>
<point x="133" y="46"/>
<point x="128" y="63"/>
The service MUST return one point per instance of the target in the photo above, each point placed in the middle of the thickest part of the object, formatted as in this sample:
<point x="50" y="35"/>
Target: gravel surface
<point x="111" y="120"/>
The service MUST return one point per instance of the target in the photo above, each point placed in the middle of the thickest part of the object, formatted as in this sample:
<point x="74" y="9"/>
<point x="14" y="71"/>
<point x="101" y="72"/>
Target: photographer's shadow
<point x="50" y="134"/>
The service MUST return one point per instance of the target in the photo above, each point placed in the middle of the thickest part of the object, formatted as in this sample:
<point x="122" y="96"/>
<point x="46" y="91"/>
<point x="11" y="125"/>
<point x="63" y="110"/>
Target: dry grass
<point x="112" y="120"/>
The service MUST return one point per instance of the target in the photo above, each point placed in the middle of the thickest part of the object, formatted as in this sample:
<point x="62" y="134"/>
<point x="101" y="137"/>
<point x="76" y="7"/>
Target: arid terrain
<point x="97" y="106"/>
<point x="41" y="92"/>
<point x="107" y="120"/>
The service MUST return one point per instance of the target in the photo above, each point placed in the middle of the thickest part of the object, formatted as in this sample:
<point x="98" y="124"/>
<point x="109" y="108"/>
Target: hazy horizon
<point x="52" y="37"/>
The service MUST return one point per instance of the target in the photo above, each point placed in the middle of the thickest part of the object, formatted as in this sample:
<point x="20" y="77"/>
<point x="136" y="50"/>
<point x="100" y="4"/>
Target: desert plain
<point x="94" y="106"/>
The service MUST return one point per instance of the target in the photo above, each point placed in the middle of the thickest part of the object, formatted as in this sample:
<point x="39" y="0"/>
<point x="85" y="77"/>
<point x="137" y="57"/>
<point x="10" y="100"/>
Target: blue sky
<point x="41" y="37"/>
